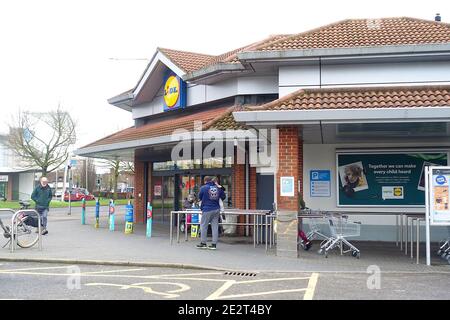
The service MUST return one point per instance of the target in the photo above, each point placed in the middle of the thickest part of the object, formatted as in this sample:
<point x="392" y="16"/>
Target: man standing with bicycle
<point x="42" y="195"/>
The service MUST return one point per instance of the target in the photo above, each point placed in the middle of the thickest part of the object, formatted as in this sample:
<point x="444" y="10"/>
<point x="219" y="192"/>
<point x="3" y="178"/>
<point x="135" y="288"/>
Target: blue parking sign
<point x="320" y="183"/>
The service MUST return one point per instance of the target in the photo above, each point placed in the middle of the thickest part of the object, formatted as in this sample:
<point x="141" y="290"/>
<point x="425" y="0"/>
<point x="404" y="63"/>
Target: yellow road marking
<point x="87" y="274"/>
<point x="110" y="271"/>
<point x="147" y="289"/>
<point x="268" y="280"/>
<point x="309" y="291"/>
<point x="309" y="294"/>
<point x="261" y="293"/>
<point x="216" y="294"/>
<point x="40" y="268"/>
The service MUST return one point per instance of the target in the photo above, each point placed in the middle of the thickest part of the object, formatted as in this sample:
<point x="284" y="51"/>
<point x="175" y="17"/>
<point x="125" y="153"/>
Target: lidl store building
<point x="347" y="115"/>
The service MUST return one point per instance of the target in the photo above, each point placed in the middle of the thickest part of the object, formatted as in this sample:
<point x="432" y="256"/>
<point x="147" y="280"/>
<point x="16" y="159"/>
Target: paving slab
<point x="69" y="241"/>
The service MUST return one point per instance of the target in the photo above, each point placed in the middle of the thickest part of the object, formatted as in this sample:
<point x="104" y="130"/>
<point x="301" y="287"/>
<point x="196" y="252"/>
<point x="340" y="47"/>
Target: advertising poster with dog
<point x="384" y="179"/>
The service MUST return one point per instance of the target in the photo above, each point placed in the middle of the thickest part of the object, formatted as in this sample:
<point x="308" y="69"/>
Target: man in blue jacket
<point x="209" y="196"/>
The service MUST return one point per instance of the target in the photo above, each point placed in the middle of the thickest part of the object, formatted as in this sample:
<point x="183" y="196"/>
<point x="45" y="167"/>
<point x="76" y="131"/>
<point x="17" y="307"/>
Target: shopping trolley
<point x="340" y="229"/>
<point x="444" y="249"/>
<point x="316" y="223"/>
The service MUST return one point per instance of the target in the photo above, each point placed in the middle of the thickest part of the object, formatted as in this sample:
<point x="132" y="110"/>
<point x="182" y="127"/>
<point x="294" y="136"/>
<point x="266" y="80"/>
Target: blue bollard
<point x="83" y="211"/>
<point x="97" y="214"/>
<point x="111" y="215"/>
<point x="129" y="218"/>
<point x="149" y="219"/>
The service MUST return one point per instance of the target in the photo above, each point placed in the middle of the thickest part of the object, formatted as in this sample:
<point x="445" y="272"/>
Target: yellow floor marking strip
<point x="106" y="275"/>
<point x="40" y="268"/>
<point x="309" y="294"/>
<point x="261" y="293"/>
<point x="109" y="271"/>
<point x="192" y="274"/>
<point x="216" y="294"/>
<point x="269" y="280"/>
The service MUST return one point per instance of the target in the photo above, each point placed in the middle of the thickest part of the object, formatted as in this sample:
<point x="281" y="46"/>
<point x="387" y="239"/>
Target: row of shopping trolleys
<point x="340" y="228"/>
<point x="444" y="250"/>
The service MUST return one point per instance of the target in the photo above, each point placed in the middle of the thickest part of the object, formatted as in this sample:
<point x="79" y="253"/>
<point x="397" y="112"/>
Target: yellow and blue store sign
<point x="174" y="92"/>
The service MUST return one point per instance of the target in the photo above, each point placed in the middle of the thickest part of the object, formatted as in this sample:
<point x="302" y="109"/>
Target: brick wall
<point x="288" y="165"/>
<point x="139" y="182"/>
<point x="300" y="166"/>
<point x="253" y="187"/>
<point x="239" y="186"/>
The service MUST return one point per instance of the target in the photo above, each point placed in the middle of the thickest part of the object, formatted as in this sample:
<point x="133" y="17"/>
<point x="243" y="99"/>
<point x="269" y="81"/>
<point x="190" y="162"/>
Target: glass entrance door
<point x="189" y="184"/>
<point x="163" y="198"/>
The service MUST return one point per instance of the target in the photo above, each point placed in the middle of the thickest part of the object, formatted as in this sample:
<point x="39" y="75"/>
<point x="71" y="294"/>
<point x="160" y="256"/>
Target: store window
<point x="209" y="163"/>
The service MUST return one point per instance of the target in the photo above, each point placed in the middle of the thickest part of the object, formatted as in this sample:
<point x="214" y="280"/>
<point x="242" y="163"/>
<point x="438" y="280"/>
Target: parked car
<point x="58" y="193"/>
<point x="78" y="194"/>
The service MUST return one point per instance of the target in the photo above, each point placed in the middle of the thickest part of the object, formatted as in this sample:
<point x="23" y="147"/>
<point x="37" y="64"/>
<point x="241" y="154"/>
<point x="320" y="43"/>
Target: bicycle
<point x="27" y="227"/>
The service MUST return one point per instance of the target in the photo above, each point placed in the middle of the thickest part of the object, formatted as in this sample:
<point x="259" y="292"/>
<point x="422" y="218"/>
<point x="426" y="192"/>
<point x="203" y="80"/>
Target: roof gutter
<point x="255" y="56"/>
<point x="206" y="136"/>
<point x="214" y="70"/>
<point x="123" y="101"/>
<point x="335" y="116"/>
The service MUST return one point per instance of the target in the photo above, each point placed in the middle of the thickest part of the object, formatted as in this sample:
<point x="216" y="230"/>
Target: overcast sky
<point x="60" y="51"/>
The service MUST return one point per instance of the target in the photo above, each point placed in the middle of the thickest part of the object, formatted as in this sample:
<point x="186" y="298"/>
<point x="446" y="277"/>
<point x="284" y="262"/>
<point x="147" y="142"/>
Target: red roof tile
<point x="366" y="33"/>
<point x="360" y="98"/>
<point x="165" y="127"/>
<point x="188" y="61"/>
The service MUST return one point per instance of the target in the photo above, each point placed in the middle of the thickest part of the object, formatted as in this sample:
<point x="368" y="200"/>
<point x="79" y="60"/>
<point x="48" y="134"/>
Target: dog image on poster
<point x="353" y="178"/>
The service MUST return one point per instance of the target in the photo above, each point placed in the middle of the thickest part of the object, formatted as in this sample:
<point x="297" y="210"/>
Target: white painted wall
<point x="198" y="94"/>
<point x="292" y="78"/>
<point x="26" y="184"/>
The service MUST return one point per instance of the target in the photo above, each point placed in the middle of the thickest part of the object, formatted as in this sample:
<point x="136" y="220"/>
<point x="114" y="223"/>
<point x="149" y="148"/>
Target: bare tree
<point x="91" y="174"/>
<point x="43" y="139"/>
<point x="117" y="167"/>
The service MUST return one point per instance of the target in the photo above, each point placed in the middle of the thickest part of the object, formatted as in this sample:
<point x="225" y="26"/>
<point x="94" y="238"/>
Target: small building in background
<point x="17" y="180"/>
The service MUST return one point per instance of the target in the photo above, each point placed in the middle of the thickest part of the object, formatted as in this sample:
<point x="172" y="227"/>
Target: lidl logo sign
<point x="398" y="192"/>
<point x="174" y="92"/>
<point x="171" y="91"/>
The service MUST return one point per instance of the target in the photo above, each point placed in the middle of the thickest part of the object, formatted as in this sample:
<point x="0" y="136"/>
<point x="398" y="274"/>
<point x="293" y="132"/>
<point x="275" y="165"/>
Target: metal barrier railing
<point x="260" y="222"/>
<point x="15" y="223"/>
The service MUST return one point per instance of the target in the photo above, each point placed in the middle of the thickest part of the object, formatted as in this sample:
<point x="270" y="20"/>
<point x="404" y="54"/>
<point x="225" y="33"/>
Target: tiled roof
<point x="165" y="127"/>
<point x="366" y="33"/>
<point x="360" y="98"/>
<point x="227" y="122"/>
<point x="343" y="34"/>
<point x="231" y="56"/>
<point x="191" y="61"/>
<point x="188" y="61"/>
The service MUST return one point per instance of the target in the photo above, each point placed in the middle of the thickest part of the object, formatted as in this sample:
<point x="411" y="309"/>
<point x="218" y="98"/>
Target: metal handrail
<point x="256" y="224"/>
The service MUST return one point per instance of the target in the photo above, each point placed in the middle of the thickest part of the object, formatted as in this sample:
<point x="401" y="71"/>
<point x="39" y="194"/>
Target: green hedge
<point x="109" y="195"/>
